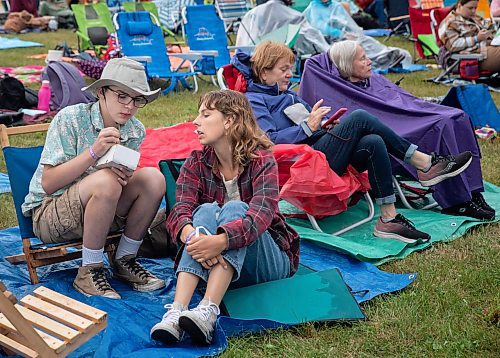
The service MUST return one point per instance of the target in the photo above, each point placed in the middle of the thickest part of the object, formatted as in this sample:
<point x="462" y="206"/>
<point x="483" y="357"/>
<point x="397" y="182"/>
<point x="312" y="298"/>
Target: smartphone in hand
<point x="334" y="117"/>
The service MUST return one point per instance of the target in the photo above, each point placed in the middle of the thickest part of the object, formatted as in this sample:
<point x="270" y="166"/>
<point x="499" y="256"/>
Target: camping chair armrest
<point x="471" y="56"/>
<point x="209" y="53"/>
<point x="191" y="56"/>
<point x="82" y="35"/>
<point x="397" y="18"/>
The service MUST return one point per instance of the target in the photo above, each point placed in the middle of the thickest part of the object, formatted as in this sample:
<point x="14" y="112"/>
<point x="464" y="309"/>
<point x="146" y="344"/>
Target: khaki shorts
<point x="60" y="219"/>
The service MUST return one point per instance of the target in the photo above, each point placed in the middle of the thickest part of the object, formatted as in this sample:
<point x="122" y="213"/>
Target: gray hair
<point x="342" y="54"/>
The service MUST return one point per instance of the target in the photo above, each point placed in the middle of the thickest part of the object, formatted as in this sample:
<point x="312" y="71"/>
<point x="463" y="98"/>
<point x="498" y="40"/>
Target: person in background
<point x="70" y="199"/>
<point x="465" y="32"/>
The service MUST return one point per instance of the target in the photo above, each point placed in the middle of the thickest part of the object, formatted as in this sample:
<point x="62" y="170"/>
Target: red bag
<point x="307" y="182"/>
<point x="234" y="79"/>
<point x="469" y="69"/>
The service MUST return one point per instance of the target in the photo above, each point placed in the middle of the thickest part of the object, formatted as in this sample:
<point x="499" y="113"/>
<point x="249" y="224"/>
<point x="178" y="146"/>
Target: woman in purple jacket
<point x="360" y="139"/>
<point x="343" y="78"/>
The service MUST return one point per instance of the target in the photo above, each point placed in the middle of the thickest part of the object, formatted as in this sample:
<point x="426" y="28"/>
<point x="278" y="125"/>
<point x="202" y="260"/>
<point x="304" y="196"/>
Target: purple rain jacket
<point x="433" y="127"/>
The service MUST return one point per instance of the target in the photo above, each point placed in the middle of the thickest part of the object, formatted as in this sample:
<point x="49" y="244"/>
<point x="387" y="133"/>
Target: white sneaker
<point x="199" y="322"/>
<point x="168" y="330"/>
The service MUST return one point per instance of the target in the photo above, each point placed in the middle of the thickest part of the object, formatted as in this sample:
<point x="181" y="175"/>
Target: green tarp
<point x="306" y="297"/>
<point x="361" y="243"/>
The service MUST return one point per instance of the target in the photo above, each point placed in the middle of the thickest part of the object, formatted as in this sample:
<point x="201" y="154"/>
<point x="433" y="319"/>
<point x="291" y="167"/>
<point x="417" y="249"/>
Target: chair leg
<point x="371" y="214"/>
<point x="405" y="202"/>
<point x="31" y="268"/>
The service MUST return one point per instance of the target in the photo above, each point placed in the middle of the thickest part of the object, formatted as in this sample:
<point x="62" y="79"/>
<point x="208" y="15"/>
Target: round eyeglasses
<point x="124" y="98"/>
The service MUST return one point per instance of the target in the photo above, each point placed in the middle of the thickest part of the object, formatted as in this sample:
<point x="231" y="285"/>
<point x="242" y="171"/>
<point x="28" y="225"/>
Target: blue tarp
<point x="131" y="318"/>
<point x="377" y="32"/>
<point x="4" y="183"/>
<point x="14" y="42"/>
<point x="409" y="68"/>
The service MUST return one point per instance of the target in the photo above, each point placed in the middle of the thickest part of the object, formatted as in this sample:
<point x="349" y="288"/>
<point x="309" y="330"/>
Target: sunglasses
<point x="124" y="98"/>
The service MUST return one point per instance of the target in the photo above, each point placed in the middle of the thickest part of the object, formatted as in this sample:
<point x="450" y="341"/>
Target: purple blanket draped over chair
<point x="433" y="127"/>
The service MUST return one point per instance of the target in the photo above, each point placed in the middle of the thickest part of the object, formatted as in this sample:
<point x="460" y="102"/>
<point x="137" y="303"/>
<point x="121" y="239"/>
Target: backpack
<point x="65" y="84"/>
<point x="12" y="94"/>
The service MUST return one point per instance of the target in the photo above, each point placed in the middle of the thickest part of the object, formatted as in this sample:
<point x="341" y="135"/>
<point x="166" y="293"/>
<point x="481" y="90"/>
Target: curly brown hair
<point x="244" y="134"/>
<point x="267" y="55"/>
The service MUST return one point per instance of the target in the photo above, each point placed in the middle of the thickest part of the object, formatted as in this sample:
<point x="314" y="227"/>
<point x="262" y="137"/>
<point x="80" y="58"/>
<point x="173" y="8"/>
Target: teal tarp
<point x="317" y="296"/>
<point x="361" y="243"/>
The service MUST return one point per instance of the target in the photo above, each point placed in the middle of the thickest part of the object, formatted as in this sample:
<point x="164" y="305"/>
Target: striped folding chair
<point x="231" y="12"/>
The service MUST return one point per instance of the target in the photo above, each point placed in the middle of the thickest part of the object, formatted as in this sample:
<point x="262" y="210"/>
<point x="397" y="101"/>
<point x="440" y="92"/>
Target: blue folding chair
<point x="206" y="34"/>
<point x="140" y="38"/>
<point x="21" y="164"/>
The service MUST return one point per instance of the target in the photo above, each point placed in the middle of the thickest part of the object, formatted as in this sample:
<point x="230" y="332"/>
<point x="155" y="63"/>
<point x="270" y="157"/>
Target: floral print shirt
<point x="73" y="130"/>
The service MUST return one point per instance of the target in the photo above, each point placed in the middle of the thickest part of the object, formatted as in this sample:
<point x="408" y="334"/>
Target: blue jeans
<point x="364" y="142"/>
<point x="261" y="261"/>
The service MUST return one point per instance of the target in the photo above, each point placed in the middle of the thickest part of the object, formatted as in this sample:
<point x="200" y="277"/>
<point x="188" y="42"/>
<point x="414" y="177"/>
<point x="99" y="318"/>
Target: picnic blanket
<point x="25" y="74"/>
<point x="133" y="316"/>
<point x="175" y="142"/>
<point x="361" y="244"/>
<point x="4" y="183"/>
<point x="14" y="42"/>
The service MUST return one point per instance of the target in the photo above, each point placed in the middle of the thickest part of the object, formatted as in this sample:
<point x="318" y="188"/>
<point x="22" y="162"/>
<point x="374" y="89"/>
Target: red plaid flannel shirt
<point x="200" y="182"/>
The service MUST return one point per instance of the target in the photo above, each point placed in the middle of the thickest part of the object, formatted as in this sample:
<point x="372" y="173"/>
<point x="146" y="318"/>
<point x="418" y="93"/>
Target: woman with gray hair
<point x="342" y="77"/>
<point x="359" y="139"/>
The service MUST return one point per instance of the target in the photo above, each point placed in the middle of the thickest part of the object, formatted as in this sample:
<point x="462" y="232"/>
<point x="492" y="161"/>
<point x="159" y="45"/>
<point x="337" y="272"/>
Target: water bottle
<point x="44" y="95"/>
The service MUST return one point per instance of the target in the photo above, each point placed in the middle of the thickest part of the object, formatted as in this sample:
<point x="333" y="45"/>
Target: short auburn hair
<point x="267" y="55"/>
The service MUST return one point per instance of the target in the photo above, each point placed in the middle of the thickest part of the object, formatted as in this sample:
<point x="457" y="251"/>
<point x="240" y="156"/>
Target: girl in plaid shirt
<point x="465" y="32"/>
<point x="226" y="216"/>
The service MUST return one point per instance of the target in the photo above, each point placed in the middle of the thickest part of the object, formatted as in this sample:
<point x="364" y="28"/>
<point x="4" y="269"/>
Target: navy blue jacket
<point x="268" y="104"/>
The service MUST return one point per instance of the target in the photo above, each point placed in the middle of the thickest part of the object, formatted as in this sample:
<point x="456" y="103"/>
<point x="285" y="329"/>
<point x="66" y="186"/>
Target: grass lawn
<point x="451" y="310"/>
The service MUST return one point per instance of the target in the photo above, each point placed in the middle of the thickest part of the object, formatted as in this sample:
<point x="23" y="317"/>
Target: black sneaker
<point x="478" y="199"/>
<point x="444" y="167"/>
<point x="400" y="228"/>
<point x="470" y="209"/>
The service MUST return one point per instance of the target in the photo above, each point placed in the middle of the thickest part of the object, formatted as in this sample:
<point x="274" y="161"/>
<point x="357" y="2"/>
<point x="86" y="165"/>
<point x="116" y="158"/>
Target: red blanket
<point x="175" y="142"/>
<point x="305" y="178"/>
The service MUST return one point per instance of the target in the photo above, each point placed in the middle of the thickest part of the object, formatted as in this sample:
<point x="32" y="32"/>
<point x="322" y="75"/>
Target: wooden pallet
<point x="46" y="323"/>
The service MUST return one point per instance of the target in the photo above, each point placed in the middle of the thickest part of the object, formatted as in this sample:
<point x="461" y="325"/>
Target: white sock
<point x="91" y="257"/>
<point x="127" y="246"/>
<point x="386" y="220"/>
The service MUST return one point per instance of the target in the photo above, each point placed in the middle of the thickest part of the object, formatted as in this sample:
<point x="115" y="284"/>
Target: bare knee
<point x="101" y="185"/>
<point x="149" y="180"/>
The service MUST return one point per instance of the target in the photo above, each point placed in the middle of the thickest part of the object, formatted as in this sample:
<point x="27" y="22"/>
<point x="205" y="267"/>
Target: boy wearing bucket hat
<point x="70" y="199"/>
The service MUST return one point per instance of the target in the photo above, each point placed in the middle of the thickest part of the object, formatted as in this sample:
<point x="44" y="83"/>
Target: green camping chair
<point x="94" y="26"/>
<point x="153" y="9"/>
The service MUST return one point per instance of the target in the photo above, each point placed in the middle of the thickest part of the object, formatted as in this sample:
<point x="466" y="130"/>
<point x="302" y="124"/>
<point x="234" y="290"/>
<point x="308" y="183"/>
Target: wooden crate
<point x="46" y="323"/>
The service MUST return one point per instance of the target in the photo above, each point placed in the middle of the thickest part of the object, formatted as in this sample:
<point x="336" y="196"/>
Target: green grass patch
<point x="451" y="310"/>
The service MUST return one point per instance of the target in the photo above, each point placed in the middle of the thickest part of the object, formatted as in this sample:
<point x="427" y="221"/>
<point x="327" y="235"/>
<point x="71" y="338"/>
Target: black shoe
<point x="470" y="209"/>
<point x="478" y="199"/>
<point x="402" y="229"/>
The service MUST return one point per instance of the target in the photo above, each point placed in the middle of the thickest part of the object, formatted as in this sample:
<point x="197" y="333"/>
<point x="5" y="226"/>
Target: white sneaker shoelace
<point x="172" y="315"/>
<point x="204" y="311"/>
